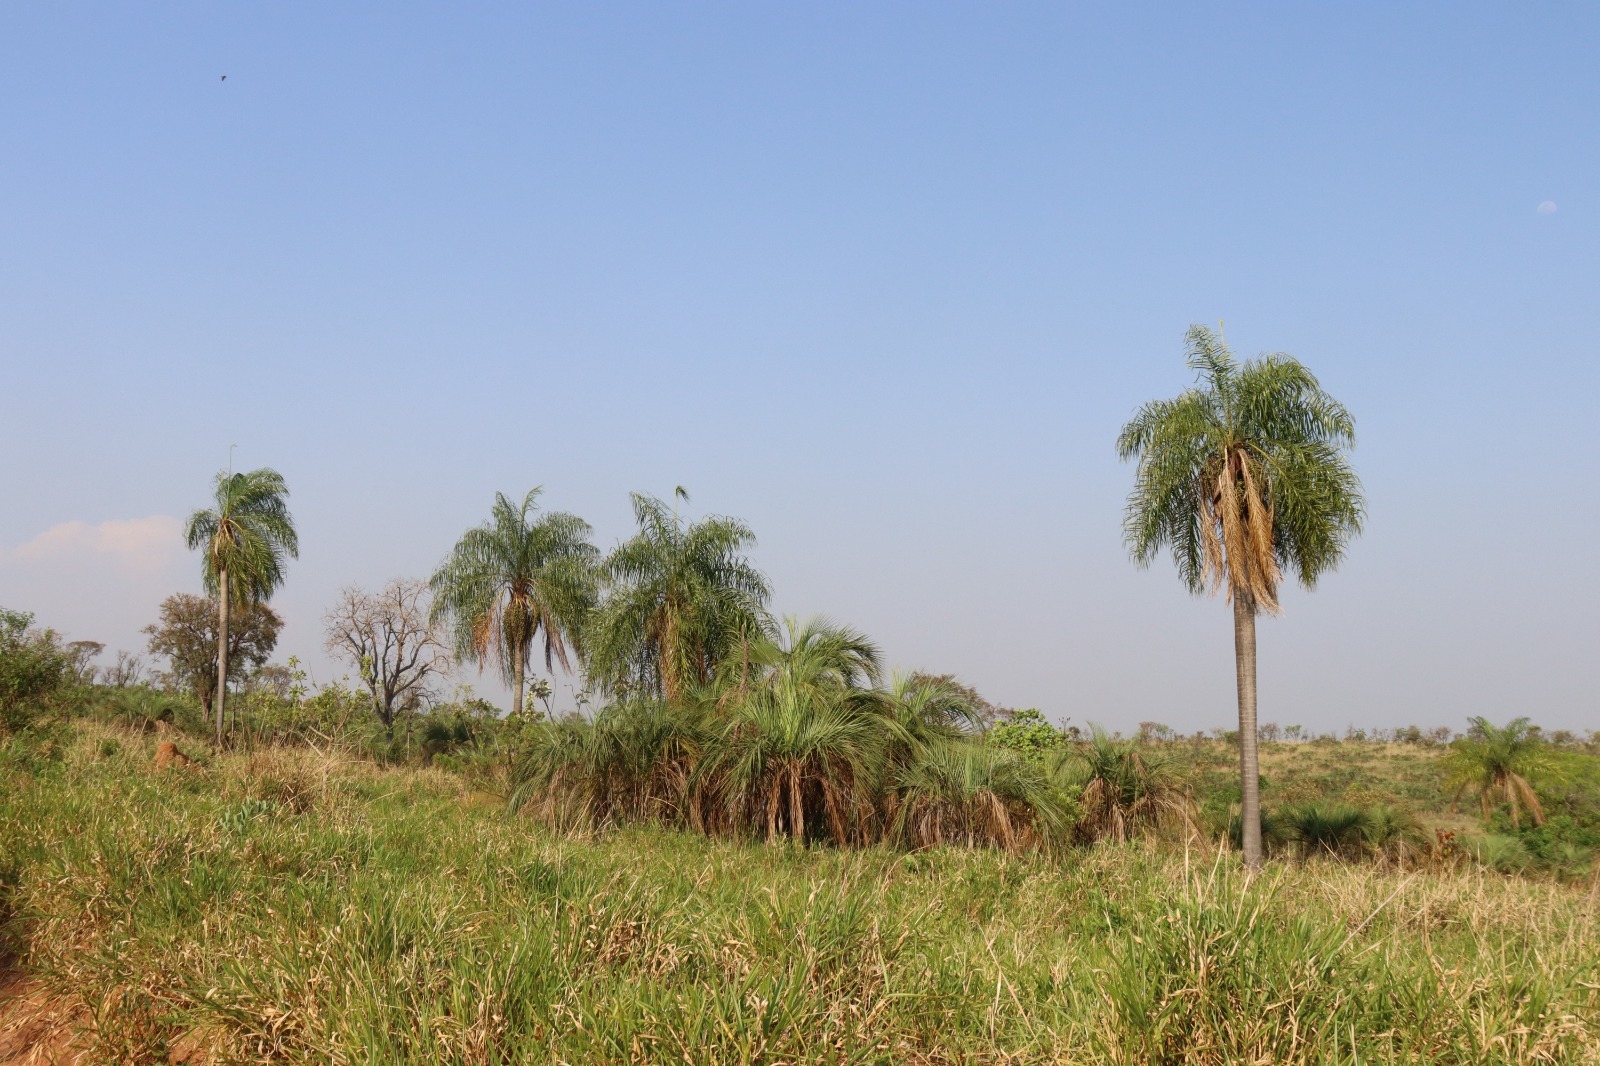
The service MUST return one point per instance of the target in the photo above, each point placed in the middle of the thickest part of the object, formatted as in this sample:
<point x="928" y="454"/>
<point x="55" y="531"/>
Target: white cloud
<point x="1548" y="207"/>
<point x="134" y="545"/>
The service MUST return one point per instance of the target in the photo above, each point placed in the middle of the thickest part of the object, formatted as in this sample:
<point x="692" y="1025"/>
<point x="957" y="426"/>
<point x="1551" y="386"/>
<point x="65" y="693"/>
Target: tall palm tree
<point x="518" y="578"/>
<point x="246" y="538"/>
<point x="1497" y="764"/>
<point x="1243" y="477"/>
<point x="681" y="596"/>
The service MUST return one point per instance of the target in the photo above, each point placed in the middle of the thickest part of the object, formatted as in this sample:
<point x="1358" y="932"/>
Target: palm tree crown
<point x="518" y="577"/>
<point x="680" y="597"/>
<point x="246" y="537"/>
<point x="1244" y="477"/>
<point x="810" y="655"/>
<point x="1497" y="763"/>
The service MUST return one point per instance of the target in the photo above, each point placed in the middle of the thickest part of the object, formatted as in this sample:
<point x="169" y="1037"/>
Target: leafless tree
<point x="81" y="655"/>
<point x="127" y="670"/>
<point x="387" y="636"/>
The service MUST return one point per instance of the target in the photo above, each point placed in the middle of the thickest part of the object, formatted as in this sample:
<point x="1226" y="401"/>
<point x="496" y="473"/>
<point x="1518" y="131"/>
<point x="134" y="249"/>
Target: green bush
<point x="34" y="666"/>
<point x="1028" y="734"/>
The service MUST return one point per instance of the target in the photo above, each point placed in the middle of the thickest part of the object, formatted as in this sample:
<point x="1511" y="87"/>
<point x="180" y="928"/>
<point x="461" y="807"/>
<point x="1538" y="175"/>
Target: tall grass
<point x="292" y="907"/>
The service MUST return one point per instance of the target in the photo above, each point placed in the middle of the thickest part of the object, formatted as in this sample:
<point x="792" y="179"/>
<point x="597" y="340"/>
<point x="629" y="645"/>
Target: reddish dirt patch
<point x="36" y="1027"/>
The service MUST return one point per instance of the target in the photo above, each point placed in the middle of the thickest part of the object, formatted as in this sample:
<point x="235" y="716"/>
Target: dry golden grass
<point x="291" y="906"/>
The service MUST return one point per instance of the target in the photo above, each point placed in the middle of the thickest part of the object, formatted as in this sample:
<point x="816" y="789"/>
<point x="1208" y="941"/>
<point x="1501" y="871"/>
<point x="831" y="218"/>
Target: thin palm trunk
<point x="516" y="683"/>
<point x="772" y="810"/>
<point x="797" y="814"/>
<point x="671" y="674"/>
<point x="222" y="649"/>
<point x="1244" y="652"/>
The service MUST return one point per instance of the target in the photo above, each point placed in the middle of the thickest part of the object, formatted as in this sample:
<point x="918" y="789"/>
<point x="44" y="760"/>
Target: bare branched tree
<point x="127" y="670"/>
<point x="388" y="637"/>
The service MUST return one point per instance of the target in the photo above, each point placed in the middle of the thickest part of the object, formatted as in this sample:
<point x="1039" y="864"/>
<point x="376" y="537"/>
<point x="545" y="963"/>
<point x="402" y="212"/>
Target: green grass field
<point x="297" y="907"/>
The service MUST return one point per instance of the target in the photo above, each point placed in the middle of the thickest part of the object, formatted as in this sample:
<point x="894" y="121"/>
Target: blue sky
<point x="883" y="280"/>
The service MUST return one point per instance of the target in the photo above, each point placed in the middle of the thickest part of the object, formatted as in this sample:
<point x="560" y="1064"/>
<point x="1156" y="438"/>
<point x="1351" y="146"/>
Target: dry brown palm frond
<point x="1236" y="531"/>
<point x="1264" y="575"/>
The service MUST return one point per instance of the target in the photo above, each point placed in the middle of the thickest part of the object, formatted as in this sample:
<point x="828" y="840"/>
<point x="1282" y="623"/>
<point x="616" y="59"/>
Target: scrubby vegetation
<point x="307" y="906"/>
<point x="798" y="862"/>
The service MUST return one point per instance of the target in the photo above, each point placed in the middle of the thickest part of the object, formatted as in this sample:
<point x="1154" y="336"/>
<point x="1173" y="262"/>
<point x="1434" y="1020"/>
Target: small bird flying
<point x="224" y="77"/>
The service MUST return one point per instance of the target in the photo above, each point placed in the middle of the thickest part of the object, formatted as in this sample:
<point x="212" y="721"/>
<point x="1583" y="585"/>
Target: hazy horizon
<point x="883" y="283"/>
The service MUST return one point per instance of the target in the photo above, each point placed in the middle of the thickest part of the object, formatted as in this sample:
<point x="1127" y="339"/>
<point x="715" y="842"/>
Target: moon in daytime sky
<point x="1547" y="207"/>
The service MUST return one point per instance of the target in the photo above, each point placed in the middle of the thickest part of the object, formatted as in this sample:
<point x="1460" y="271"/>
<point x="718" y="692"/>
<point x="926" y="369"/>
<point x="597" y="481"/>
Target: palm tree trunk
<point x="772" y="808"/>
<point x="797" y="814"/>
<point x="667" y="653"/>
<point x="516" y="685"/>
<point x="1244" y="654"/>
<point x="222" y="649"/>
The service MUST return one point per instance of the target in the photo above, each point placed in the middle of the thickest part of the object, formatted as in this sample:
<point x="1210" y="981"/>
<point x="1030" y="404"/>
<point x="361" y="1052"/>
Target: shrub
<point x="33" y="667"/>
<point x="1503" y="854"/>
<point x="1128" y="789"/>
<point x="1028" y="734"/>
<point x="1329" y="829"/>
<point x="964" y="792"/>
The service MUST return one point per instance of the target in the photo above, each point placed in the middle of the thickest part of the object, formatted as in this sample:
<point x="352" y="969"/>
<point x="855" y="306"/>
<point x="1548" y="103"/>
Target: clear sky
<point x="882" y="279"/>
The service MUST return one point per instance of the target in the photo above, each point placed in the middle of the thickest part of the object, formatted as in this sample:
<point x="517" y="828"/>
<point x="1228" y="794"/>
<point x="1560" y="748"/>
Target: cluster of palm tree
<point x="793" y="734"/>
<point x="717" y="718"/>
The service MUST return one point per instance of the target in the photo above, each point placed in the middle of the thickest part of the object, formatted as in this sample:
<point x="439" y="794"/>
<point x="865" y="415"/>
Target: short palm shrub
<point x="1498" y="852"/>
<point x="1127" y="789"/>
<point x="789" y="761"/>
<point x="975" y="794"/>
<point x="789" y="740"/>
<point x="1500" y="764"/>
<point x="1393" y="836"/>
<point x="634" y="762"/>
<point x="1323" y="829"/>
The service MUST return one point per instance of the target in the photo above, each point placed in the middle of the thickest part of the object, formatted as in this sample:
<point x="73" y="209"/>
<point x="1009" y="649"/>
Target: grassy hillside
<point x="299" y="907"/>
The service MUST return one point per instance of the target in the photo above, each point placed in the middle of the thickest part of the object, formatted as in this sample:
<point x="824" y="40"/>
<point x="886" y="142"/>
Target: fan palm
<point x="246" y="538"/>
<point x="680" y="598"/>
<point x="1497" y="763"/>
<point x="1243" y="477"/>
<point x="518" y="578"/>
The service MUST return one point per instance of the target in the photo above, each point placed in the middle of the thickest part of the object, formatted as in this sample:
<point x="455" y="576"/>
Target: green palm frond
<point x="1243" y="477"/>
<point x="1501" y="765"/>
<point x="679" y="597"/>
<point x="519" y="579"/>
<point x="1128" y="789"/>
<point x="248" y="535"/>
<point x="962" y="791"/>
